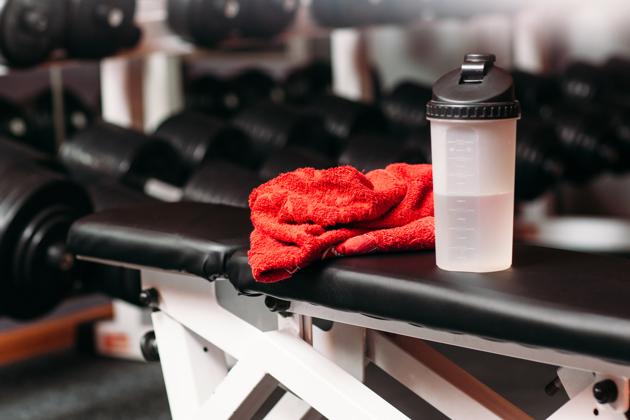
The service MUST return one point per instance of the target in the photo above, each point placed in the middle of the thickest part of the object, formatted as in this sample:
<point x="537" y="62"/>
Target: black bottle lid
<point x="478" y="90"/>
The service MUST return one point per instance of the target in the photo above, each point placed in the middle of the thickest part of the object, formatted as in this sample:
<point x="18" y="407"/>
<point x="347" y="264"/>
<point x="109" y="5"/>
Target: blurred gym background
<point x="273" y="66"/>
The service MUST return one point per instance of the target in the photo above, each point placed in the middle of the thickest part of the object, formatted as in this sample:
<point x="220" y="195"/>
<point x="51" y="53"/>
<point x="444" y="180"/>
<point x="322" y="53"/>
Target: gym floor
<point x="74" y="386"/>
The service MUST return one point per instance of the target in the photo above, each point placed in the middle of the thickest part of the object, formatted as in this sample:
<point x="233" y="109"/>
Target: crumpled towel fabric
<point x="307" y="215"/>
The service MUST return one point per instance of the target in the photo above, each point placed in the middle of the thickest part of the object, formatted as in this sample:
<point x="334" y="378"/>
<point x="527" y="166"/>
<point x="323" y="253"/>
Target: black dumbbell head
<point x="306" y="83"/>
<point x="221" y="182"/>
<point x="105" y="151"/>
<point x="584" y="82"/>
<point x="619" y="122"/>
<point x="584" y="142"/>
<point x="367" y="152"/>
<point x="30" y="30"/>
<point x="538" y="166"/>
<point x="349" y="13"/>
<point x="537" y="94"/>
<point x="14" y="122"/>
<point x="37" y="208"/>
<point x="77" y="116"/>
<point x="344" y="118"/>
<point x="291" y="158"/>
<point x="211" y="95"/>
<point x="97" y="28"/>
<point x="203" y="22"/>
<point x="405" y="106"/>
<point x="616" y="70"/>
<point x="272" y="127"/>
<point x="265" y="18"/>
<point x="419" y="140"/>
<point x="12" y="151"/>
<point x="251" y="87"/>
<point x="198" y="137"/>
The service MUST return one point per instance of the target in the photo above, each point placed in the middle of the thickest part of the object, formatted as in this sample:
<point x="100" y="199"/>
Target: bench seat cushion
<point x="195" y="238"/>
<point x="550" y="298"/>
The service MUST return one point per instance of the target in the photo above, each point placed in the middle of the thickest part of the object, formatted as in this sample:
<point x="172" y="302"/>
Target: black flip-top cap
<point x="478" y="90"/>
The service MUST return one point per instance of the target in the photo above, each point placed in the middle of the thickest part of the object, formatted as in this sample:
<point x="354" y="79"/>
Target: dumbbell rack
<point x="142" y="86"/>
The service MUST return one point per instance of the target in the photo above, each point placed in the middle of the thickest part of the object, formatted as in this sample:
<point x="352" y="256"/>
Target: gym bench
<point x="561" y="308"/>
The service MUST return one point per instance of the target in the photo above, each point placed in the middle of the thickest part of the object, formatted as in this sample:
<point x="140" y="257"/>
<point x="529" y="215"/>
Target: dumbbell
<point x="617" y="69"/>
<point x="203" y="22"/>
<point x="619" y="123"/>
<point x="77" y="116"/>
<point x="265" y="18"/>
<point x="105" y="151"/>
<point x="584" y="82"/>
<point x="214" y="96"/>
<point x="308" y="82"/>
<point x="291" y="158"/>
<point x="12" y="151"/>
<point x="208" y="22"/>
<point x="221" y="182"/>
<point x="344" y="118"/>
<point x="405" y="106"/>
<point x="118" y="282"/>
<point x="198" y="137"/>
<point x="419" y="139"/>
<point x="585" y="142"/>
<point x="605" y="85"/>
<point x="229" y="164"/>
<point x="222" y="177"/>
<point x="251" y="87"/>
<point x="280" y="139"/>
<point x="14" y="122"/>
<point x="537" y="94"/>
<point x="273" y="127"/>
<point x="349" y="13"/>
<point x="210" y="95"/>
<point x="97" y="28"/>
<point x="36" y="208"/>
<point x="538" y="164"/>
<point x="369" y="151"/>
<point x="30" y="30"/>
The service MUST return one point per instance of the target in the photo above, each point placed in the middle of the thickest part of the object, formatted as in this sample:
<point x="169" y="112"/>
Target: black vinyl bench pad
<point x="194" y="238"/>
<point x="550" y="298"/>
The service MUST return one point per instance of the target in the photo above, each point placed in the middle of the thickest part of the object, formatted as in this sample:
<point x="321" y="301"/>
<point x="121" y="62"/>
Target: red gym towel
<point x="306" y="215"/>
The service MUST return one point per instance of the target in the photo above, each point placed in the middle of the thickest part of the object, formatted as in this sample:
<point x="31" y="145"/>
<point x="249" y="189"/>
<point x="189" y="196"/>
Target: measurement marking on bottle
<point x="461" y="215"/>
<point x="462" y="218"/>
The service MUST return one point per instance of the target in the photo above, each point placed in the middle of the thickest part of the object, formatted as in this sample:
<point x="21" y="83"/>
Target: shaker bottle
<point x="473" y="117"/>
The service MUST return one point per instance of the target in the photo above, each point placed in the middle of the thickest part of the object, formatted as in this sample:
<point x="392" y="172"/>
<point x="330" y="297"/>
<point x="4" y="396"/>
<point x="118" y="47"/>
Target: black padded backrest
<point x="550" y="298"/>
<point x="195" y="238"/>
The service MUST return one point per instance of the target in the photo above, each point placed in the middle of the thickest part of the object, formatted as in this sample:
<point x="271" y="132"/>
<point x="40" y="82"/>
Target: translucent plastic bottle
<point x="473" y="117"/>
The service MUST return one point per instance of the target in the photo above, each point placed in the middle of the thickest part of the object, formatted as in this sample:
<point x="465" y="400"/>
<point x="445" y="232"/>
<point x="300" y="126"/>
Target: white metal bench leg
<point x="240" y="395"/>
<point x="190" y="373"/>
<point x="319" y="382"/>
<point x="325" y="386"/>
